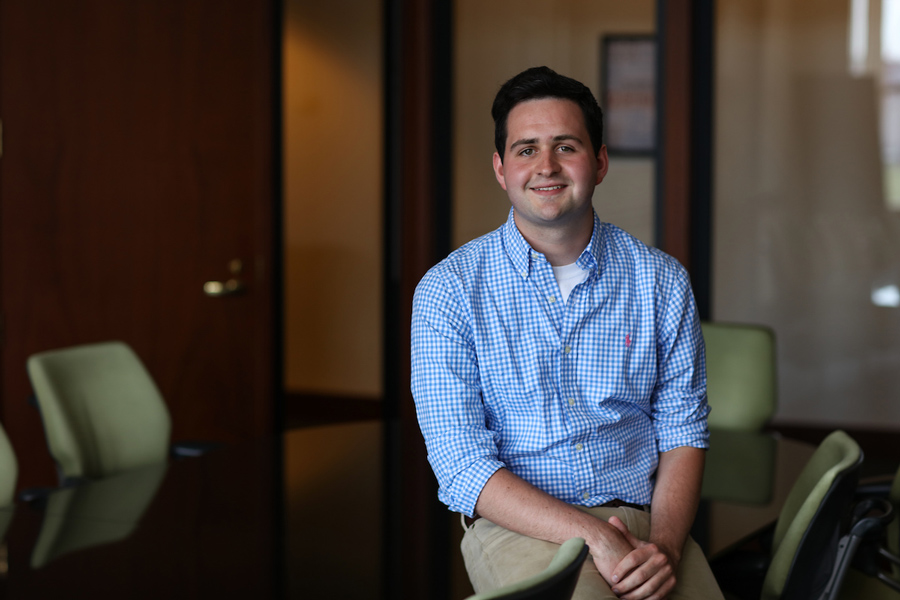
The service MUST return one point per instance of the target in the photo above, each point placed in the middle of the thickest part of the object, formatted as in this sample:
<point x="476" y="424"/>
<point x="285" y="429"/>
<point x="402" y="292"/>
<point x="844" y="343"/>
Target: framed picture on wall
<point x="628" y="98"/>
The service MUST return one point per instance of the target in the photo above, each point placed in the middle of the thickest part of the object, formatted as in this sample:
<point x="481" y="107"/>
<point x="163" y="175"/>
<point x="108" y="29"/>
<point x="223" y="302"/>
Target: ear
<point x="602" y="163"/>
<point x="498" y="170"/>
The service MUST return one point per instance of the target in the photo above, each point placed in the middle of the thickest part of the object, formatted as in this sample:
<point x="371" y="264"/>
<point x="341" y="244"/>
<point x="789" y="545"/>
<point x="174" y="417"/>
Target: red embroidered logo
<point x="627" y="339"/>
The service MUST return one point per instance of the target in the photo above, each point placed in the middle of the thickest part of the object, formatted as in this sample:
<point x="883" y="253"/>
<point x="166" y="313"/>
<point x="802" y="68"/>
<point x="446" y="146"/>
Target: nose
<point x="548" y="164"/>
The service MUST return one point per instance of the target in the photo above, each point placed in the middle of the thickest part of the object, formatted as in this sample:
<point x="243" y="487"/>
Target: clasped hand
<point x="644" y="571"/>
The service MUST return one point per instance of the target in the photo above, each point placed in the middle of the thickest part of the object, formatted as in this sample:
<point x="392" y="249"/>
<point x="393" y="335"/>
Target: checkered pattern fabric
<point x="576" y="397"/>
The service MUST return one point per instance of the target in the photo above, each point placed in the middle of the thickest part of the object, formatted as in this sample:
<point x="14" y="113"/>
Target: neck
<point x="561" y="245"/>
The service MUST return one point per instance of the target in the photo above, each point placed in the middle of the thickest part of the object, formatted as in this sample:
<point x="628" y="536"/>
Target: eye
<point x="566" y="149"/>
<point x="526" y="152"/>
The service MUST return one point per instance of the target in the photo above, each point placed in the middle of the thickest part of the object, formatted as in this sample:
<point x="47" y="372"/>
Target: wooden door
<point x="139" y="161"/>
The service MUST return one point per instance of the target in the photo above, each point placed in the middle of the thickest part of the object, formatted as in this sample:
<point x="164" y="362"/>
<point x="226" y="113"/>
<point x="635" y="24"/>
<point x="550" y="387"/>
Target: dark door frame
<point x="685" y="139"/>
<point x="418" y="62"/>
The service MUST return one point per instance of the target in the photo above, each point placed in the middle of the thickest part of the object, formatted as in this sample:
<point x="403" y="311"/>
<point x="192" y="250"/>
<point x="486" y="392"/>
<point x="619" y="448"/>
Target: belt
<point x="614" y="503"/>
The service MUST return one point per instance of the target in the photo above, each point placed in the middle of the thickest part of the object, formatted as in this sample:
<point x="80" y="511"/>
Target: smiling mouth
<point x="548" y="189"/>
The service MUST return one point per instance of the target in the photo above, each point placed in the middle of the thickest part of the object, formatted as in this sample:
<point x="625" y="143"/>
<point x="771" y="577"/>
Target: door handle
<point x="231" y="287"/>
<point x="216" y="289"/>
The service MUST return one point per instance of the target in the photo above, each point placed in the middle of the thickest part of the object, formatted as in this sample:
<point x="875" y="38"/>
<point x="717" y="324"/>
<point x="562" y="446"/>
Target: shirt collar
<point x="590" y="258"/>
<point x="521" y="253"/>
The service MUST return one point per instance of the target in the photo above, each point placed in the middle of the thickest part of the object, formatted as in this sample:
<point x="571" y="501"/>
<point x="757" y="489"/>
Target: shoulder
<point x="451" y="285"/>
<point x="464" y="264"/>
<point x="619" y="246"/>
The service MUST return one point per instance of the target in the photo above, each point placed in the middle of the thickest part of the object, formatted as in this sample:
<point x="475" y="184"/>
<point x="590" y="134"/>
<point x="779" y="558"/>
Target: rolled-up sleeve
<point x="680" y="406"/>
<point x="446" y="388"/>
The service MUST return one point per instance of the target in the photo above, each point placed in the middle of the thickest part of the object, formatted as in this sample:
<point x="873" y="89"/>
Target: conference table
<point x="296" y="516"/>
<point x="748" y="477"/>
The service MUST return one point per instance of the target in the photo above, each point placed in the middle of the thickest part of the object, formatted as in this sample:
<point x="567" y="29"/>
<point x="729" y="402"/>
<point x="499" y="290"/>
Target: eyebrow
<point x="559" y="138"/>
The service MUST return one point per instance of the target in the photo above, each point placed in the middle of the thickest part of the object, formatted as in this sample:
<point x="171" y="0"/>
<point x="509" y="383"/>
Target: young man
<point x="558" y="371"/>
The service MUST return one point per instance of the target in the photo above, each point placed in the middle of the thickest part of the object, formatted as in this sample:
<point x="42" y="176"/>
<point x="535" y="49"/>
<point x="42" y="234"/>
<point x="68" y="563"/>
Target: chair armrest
<point x="869" y="522"/>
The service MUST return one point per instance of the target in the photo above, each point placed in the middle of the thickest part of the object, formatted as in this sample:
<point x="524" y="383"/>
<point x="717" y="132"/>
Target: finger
<point x="631" y="571"/>
<point x="618" y="524"/>
<point x="647" y="567"/>
<point x="657" y="587"/>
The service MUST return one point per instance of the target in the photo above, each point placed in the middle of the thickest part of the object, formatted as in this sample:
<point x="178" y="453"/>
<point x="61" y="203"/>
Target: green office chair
<point x="806" y="560"/>
<point x="9" y="473"/>
<point x="9" y="470"/>
<point x="101" y="410"/>
<point x="556" y="582"/>
<point x="741" y="387"/>
<point x="740" y="375"/>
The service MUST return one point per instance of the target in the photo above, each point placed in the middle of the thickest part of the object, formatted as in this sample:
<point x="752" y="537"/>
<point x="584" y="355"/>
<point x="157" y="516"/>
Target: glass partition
<point x="806" y="214"/>
<point x="333" y="164"/>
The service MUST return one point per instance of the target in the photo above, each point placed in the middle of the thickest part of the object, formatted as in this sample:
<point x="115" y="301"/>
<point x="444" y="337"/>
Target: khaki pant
<point x="495" y="557"/>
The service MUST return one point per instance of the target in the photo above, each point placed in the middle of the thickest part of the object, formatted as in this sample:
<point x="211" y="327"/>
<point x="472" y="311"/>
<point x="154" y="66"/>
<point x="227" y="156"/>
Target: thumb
<point x="618" y="524"/>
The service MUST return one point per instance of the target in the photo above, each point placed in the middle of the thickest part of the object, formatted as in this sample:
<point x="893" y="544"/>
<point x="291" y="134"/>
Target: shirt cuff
<point x="696" y="437"/>
<point x="463" y="493"/>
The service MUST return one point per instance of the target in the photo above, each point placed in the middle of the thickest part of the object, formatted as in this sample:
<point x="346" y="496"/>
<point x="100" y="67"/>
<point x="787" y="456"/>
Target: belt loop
<point x="467" y="522"/>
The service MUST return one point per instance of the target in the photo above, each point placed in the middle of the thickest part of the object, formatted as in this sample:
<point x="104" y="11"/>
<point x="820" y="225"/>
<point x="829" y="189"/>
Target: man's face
<point x="549" y="169"/>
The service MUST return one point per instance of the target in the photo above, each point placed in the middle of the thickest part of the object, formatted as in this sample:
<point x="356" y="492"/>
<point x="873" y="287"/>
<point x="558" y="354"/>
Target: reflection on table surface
<point x="333" y="511"/>
<point x="297" y="517"/>
<point x="200" y="528"/>
<point x="85" y="516"/>
<point x="747" y="478"/>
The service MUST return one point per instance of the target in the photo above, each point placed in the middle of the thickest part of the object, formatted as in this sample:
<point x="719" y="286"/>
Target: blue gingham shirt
<point x="576" y="397"/>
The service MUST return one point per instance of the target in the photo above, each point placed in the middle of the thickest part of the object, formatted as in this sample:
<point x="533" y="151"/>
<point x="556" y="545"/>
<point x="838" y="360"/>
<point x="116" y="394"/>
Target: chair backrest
<point x="741" y="382"/>
<point x="808" y="529"/>
<point x="9" y="474"/>
<point x="102" y="412"/>
<point x="556" y="582"/>
<point x="9" y="470"/>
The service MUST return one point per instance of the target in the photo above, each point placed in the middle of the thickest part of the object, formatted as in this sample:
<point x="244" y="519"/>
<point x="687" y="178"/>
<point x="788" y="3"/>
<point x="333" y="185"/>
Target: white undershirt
<point x="567" y="277"/>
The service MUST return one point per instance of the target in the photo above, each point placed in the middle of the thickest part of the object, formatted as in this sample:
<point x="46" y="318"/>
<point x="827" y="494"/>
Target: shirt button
<point x="552" y="299"/>
<point x="571" y="401"/>
<point x="567" y="349"/>
<point x="585" y="495"/>
<point x="579" y="447"/>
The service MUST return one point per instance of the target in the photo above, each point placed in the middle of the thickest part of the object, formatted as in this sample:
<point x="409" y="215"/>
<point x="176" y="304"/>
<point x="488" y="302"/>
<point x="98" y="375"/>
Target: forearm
<point x="513" y="503"/>
<point x="675" y="498"/>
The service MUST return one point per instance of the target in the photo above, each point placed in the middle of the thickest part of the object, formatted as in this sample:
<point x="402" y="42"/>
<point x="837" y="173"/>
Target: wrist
<point x="606" y="542"/>
<point x="673" y="551"/>
<point x="602" y="534"/>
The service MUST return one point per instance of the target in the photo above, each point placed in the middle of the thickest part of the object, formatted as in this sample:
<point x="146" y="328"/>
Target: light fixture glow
<point x="887" y="295"/>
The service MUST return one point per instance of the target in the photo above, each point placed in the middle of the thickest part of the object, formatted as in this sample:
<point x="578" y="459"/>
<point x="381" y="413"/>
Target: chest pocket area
<point x="620" y="366"/>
